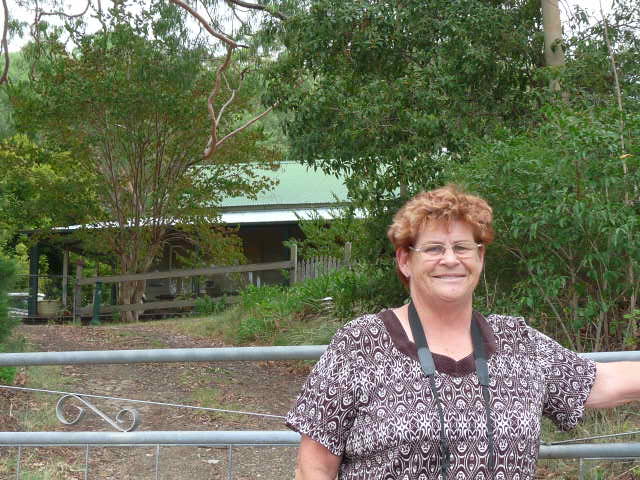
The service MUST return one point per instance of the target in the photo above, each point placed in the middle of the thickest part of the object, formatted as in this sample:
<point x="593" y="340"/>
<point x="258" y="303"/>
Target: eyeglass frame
<point x="446" y="247"/>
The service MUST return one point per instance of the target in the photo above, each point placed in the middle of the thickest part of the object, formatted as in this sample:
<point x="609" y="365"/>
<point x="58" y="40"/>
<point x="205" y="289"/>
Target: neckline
<point x="443" y="363"/>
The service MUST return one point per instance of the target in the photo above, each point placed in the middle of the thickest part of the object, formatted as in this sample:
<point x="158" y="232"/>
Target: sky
<point x="565" y="6"/>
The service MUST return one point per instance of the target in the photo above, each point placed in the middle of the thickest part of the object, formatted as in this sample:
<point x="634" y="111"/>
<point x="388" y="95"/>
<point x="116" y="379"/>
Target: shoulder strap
<point x="424" y="354"/>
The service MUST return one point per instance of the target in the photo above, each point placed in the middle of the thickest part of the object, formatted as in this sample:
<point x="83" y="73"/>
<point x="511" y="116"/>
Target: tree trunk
<point x="553" y="51"/>
<point x="131" y="293"/>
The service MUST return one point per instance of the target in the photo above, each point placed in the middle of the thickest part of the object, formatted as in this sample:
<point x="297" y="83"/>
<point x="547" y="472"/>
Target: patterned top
<point x="368" y="400"/>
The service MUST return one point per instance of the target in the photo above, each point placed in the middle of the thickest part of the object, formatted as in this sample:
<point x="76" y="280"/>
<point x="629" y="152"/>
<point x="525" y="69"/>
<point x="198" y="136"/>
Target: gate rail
<point x="233" y="438"/>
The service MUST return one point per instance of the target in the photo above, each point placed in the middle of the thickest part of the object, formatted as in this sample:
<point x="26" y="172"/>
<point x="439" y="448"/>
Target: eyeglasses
<point x="435" y="251"/>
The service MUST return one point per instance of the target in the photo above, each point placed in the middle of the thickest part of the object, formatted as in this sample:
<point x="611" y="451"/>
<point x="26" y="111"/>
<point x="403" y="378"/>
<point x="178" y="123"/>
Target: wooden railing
<point x="299" y="271"/>
<point x="79" y="310"/>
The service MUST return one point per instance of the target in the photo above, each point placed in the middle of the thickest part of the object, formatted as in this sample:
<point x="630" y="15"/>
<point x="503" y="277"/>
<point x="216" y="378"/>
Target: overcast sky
<point x="566" y="6"/>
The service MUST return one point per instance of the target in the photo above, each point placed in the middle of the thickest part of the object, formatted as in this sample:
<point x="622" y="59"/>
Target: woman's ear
<point x="402" y="259"/>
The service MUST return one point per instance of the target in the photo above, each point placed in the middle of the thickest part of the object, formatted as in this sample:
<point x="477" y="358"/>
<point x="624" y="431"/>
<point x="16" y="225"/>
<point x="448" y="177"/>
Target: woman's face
<point x="445" y="280"/>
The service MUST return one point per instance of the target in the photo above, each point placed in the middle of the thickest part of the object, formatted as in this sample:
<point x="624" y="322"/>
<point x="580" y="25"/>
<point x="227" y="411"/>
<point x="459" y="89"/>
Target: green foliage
<point x="40" y="188"/>
<point x="328" y="238"/>
<point x="389" y="85"/>
<point x="311" y="311"/>
<point x="18" y="72"/>
<point x="567" y="215"/>
<point x="208" y="306"/>
<point x="7" y="323"/>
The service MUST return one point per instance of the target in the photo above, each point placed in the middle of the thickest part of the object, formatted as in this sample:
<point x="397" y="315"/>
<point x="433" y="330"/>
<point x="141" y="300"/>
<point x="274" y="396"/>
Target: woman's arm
<point x="315" y="461"/>
<point x="616" y="383"/>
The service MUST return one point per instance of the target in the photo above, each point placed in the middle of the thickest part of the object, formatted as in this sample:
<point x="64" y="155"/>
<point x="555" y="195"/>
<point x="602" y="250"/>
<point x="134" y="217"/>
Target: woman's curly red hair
<point x="447" y="204"/>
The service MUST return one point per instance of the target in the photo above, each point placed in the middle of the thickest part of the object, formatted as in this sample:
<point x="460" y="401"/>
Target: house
<point x="263" y="224"/>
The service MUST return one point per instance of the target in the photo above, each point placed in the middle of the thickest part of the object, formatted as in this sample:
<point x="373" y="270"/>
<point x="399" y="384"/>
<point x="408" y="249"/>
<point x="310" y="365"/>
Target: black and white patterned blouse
<point x="368" y="400"/>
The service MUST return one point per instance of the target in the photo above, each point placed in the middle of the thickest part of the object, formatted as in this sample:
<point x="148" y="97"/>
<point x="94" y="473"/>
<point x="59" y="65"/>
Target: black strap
<point x="482" y="370"/>
<point x="429" y="369"/>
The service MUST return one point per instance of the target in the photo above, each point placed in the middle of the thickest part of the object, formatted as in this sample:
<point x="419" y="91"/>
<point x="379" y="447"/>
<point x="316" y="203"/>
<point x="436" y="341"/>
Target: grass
<point x="595" y="422"/>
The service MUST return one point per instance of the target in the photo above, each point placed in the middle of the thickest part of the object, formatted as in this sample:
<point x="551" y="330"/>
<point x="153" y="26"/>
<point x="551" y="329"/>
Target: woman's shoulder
<point x="510" y="330"/>
<point x="367" y="323"/>
<point x="360" y="334"/>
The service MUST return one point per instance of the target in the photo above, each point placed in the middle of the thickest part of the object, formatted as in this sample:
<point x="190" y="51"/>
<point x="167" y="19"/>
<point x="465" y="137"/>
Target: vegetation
<point x="306" y="313"/>
<point x="7" y="272"/>
<point x="569" y="263"/>
<point x="126" y="107"/>
<point x="394" y="97"/>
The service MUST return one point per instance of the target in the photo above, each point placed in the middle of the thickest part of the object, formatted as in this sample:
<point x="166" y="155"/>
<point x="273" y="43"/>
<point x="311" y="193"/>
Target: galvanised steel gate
<point x="228" y="439"/>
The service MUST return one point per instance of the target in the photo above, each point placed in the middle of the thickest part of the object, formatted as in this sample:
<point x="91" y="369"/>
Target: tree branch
<point x="255" y="6"/>
<point x="246" y="125"/>
<point x="4" y="45"/>
<point x="213" y="137"/>
<point x="231" y="43"/>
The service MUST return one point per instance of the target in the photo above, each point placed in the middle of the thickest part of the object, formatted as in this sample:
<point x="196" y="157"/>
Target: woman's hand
<point x="315" y="461"/>
<point x="616" y="383"/>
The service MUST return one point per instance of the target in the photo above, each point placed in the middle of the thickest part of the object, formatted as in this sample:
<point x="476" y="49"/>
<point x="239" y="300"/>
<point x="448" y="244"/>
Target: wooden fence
<point x="317" y="266"/>
<point x="300" y="271"/>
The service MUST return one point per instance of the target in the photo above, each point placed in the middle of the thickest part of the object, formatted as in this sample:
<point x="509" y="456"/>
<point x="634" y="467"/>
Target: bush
<point x="310" y="312"/>
<point x="566" y="253"/>
<point x="7" y="275"/>
<point x="209" y="306"/>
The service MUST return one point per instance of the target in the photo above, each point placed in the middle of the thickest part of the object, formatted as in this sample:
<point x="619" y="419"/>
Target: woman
<point x="467" y="401"/>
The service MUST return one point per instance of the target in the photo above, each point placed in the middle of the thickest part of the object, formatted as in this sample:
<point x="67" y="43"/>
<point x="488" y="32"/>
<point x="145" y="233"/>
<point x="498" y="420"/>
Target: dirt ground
<point x="265" y="387"/>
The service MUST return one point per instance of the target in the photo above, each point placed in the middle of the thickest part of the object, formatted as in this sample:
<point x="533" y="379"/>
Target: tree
<point x="230" y="26"/>
<point x="566" y="194"/>
<point x="553" y="46"/>
<point x="391" y="86"/>
<point x="128" y="106"/>
<point x="40" y="188"/>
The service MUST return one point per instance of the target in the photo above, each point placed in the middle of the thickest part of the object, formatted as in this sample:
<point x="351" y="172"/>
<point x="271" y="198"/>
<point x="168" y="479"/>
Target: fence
<point x="321" y="265"/>
<point x="300" y="271"/>
<point x="228" y="439"/>
<point x="96" y="307"/>
<point x="69" y="296"/>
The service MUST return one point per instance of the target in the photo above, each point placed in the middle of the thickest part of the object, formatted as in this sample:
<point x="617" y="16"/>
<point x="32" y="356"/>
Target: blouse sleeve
<point x="568" y="379"/>
<point x="326" y="407"/>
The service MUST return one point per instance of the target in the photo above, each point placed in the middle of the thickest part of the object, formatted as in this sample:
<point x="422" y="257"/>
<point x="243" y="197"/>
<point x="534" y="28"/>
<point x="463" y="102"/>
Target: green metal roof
<point x="297" y="185"/>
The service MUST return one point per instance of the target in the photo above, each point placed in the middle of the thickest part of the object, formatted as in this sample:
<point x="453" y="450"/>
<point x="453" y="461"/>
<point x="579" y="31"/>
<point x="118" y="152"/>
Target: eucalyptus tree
<point x="567" y="193"/>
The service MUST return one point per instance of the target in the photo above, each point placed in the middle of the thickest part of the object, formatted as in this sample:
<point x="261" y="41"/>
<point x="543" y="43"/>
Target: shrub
<point x="7" y="274"/>
<point x="304" y="314"/>
<point x="209" y="306"/>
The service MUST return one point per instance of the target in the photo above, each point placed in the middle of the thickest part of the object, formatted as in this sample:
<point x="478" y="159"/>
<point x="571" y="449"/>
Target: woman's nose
<point x="449" y="256"/>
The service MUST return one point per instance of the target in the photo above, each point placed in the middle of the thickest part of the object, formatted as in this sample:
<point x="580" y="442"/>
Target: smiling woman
<point x="433" y="389"/>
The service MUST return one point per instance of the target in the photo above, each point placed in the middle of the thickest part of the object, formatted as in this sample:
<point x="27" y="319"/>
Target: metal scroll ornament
<point x="126" y="420"/>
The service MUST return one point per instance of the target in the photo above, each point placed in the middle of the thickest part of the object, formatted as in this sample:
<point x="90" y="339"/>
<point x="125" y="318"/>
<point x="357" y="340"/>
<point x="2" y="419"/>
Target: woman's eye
<point x="433" y="249"/>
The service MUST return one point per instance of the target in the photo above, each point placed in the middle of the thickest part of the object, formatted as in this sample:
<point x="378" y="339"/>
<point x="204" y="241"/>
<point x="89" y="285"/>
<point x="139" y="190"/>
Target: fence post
<point x="347" y="253"/>
<point x="34" y="276"/>
<point x="77" y="291"/>
<point x="294" y="261"/>
<point x="65" y="279"/>
<point x="97" y="298"/>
